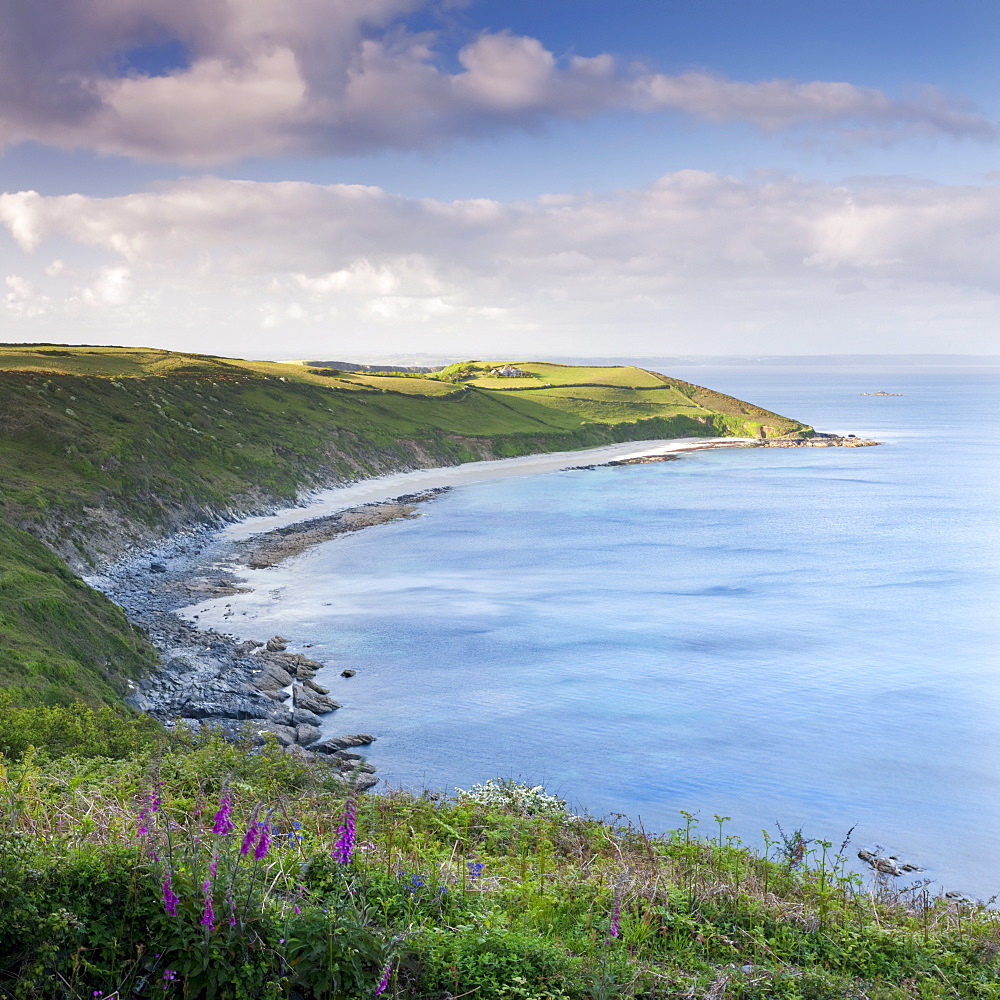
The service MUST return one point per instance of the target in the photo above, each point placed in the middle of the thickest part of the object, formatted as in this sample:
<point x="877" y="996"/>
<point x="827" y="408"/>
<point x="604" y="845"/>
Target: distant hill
<point x="102" y="448"/>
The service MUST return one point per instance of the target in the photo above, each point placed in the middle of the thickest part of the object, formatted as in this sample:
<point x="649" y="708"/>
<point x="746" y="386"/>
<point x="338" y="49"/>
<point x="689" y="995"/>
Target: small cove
<point x="803" y="635"/>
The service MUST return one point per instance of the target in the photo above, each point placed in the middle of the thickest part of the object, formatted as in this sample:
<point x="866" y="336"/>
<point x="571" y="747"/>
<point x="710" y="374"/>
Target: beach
<point x="265" y="685"/>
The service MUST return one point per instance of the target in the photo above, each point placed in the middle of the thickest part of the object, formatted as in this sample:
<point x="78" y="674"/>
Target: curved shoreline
<point x="208" y="677"/>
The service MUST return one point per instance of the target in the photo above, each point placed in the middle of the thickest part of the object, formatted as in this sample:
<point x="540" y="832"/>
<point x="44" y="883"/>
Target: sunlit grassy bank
<point x="195" y="869"/>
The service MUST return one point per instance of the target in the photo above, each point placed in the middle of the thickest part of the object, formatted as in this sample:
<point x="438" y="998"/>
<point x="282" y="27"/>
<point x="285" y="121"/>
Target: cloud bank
<point x="338" y="77"/>
<point x="693" y="263"/>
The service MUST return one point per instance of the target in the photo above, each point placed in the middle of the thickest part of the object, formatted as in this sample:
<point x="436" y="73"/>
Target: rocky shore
<point x="256" y="688"/>
<point x="260" y="688"/>
<point x="817" y="441"/>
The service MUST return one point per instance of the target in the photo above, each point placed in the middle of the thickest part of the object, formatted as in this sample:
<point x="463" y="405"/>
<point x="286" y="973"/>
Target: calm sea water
<point x="807" y="636"/>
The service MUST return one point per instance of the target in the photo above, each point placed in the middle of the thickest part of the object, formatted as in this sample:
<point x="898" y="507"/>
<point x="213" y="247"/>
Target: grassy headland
<point x="122" y="868"/>
<point x="103" y="447"/>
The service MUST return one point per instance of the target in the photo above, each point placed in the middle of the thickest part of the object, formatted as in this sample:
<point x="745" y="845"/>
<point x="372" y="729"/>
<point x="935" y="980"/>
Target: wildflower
<point x="616" y="918"/>
<point x="232" y="912"/>
<point x="213" y="868"/>
<point x="170" y="898"/>
<point x="223" y="824"/>
<point x="475" y="869"/>
<point x="169" y="975"/>
<point x="249" y="839"/>
<point x="344" y="847"/>
<point x="383" y="983"/>
<point x="208" y="917"/>
<point x="150" y="806"/>
<point x="263" y="843"/>
<point x="296" y="909"/>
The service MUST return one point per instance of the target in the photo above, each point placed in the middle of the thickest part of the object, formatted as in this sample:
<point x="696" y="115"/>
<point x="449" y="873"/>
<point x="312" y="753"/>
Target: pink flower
<point x="344" y="847"/>
<point x="223" y="824"/>
<point x="170" y="898"/>
<point x="383" y="983"/>
<point x="208" y="917"/>
<point x="264" y="843"/>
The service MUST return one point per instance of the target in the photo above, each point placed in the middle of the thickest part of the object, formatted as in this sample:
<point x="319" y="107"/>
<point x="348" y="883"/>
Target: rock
<point x="305" y="734"/>
<point x="313" y="686"/>
<point x="278" y="695"/>
<point x="226" y="708"/>
<point x="347" y="673"/>
<point x="298" y="751"/>
<point x="285" y="735"/>
<point x="303" y="718"/>
<point x="355" y="767"/>
<point x="303" y="672"/>
<point x="311" y="701"/>
<point x="282" y="717"/>
<point x="276" y="644"/>
<point x="244" y="648"/>
<point x="157" y="568"/>
<point x="347" y="755"/>
<point x="336" y="743"/>
<point x="362" y="782"/>
<point x="271" y="678"/>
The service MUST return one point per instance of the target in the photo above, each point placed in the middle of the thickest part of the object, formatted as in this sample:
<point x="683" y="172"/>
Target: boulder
<point x="320" y="704"/>
<point x="303" y="718"/>
<point x="304" y="735"/>
<point x="285" y="735"/>
<point x="157" y="568"/>
<point x="282" y="717"/>
<point x="313" y="686"/>
<point x="245" y="648"/>
<point x="276" y="644"/>
<point x="271" y="678"/>
<point x="336" y="743"/>
<point x="347" y="673"/>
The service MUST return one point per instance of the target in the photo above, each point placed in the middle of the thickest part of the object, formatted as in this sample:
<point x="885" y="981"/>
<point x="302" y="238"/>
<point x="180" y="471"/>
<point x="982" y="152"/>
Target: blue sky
<point x="324" y="177"/>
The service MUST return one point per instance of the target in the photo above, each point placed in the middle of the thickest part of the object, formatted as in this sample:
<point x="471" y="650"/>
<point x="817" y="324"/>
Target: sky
<point x="474" y="178"/>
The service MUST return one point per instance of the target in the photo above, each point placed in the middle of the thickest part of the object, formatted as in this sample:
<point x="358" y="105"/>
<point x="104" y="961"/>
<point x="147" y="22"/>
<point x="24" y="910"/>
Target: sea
<point x="803" y="637"/>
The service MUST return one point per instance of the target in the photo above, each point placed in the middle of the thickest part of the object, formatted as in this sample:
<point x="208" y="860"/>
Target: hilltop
<point x="105" y="448"/>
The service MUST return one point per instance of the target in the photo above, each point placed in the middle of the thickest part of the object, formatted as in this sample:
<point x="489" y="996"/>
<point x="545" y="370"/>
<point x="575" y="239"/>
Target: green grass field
<point x="99" y="445"/>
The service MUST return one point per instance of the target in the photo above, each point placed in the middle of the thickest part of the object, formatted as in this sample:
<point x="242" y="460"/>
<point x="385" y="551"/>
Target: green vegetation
<point x="99" y="442"/>
<point x="60" y="640"/>
<point x="195" y="869"/>
<point x="102" y="446"/>
<point x="117" y="876"/>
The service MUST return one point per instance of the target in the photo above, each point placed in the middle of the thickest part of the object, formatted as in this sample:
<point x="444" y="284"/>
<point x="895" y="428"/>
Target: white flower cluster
<point x="514" y="797"/>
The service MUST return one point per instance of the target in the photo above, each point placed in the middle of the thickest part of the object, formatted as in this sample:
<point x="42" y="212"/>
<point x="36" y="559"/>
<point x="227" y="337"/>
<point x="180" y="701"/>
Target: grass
<point x="496" y="892"/>
<point x="60" y="640"/>
<point x="95" y="440"/>
<point x="104" y="446"/>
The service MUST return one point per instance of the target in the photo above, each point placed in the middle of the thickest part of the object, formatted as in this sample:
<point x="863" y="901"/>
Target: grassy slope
<point x="102" y="445"/>
<point x="60" y="640"/>
<point x="497" y="895"/>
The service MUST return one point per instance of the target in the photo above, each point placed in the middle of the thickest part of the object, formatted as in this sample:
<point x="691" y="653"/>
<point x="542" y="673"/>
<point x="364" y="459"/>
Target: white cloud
<point x="273" y="77"/>
<point x="23" y="300"/>
<point x="761" y="264"/>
